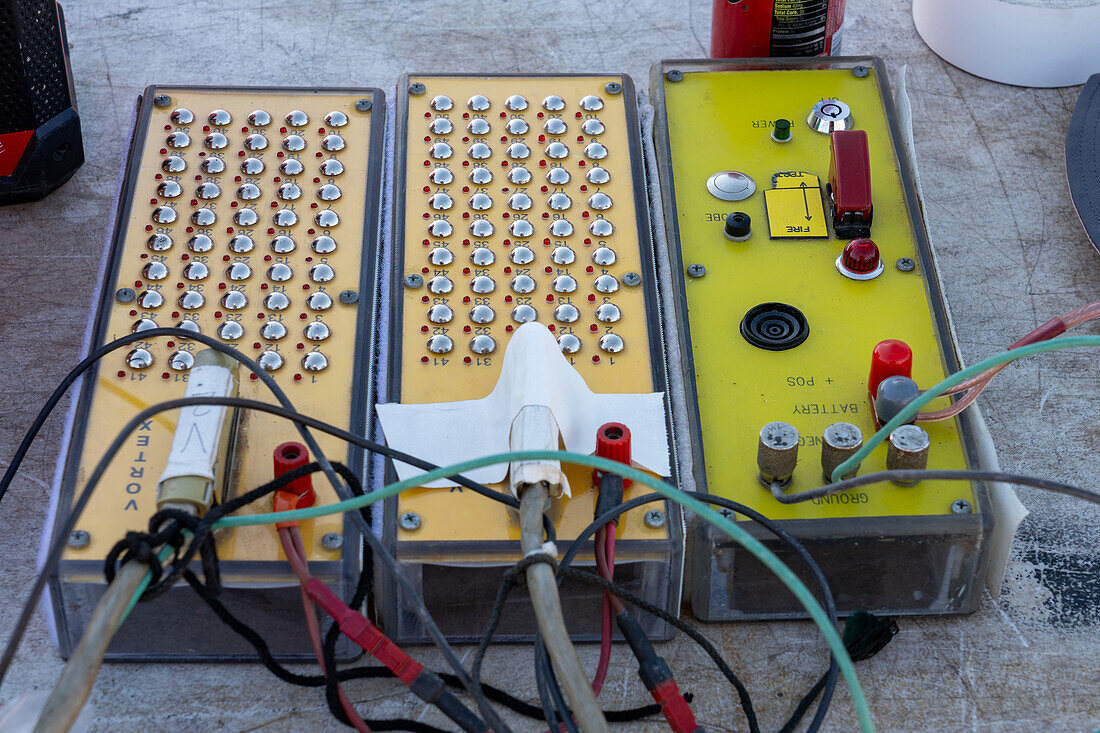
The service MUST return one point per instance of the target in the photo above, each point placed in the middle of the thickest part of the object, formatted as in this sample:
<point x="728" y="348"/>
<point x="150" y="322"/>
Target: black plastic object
<point x="782" y="130"/>
<point x="40" y="142"/>
<point x="1083" y="159"/>
<point x="738" y="226"/>
<point x="775" y="326"/>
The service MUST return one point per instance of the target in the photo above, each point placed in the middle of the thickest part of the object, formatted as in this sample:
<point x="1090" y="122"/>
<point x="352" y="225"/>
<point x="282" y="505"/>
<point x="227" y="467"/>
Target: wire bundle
<point x="855" y="645"/>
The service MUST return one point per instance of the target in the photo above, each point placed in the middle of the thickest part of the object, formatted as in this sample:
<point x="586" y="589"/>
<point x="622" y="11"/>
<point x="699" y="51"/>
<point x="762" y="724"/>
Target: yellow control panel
<point x="519" y="200"/>
<point x="741" y="387"/>
<point x="774" y="330"/>
<point x="247" y="215"/>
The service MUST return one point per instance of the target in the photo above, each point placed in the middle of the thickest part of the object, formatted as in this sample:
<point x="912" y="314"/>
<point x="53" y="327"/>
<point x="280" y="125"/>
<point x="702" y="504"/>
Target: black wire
<point x="545" y="677"/>
<point x="941" y="475"/>
<point x="328" y="647"/>
<point x="783" y="536"/>
<point x="511" y="579"/>
<point x="302" y="421"/>
<point x="57" y="546"/>
<point x="201" y="529"/>
<point x="550" y="712"/>
<point x="266" y="658"/>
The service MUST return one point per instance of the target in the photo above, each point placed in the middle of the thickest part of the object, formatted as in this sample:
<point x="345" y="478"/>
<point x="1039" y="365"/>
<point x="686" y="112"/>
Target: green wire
<point x="960" y="376"/>
<point x="163" y="557"/>
<point x="762" y="553"/>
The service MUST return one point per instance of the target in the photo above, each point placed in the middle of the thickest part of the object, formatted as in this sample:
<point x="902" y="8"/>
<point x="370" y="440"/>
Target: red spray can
<point x="758" y="28"/>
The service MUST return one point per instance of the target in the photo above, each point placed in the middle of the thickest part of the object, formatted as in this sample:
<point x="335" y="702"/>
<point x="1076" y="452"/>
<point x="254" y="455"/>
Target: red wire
<point x="291" y="539"/>
<point x="605" y="636"/>
<point x="605" y="565"/>
<point x="974" y="386"/>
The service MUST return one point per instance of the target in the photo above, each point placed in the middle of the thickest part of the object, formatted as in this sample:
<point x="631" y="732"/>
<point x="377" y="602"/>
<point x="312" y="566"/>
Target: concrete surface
<point x="1010" y="249"/>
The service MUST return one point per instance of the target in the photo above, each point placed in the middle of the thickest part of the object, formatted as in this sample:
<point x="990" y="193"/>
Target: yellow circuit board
<point x="520" y="201"/>
<point x="249" y="214"/>
<point x="723" y="120"/>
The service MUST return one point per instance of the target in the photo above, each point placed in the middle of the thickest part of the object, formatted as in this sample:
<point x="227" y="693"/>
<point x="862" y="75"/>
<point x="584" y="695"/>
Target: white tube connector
<point x="535" y="428"/>
<point x="201" y="441"/>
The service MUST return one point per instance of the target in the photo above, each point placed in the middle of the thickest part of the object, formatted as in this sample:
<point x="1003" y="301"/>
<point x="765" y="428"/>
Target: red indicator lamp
<point x="860" y="260"/>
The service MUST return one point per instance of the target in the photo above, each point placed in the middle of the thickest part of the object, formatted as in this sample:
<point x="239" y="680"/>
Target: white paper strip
<point x="534" y="372"/>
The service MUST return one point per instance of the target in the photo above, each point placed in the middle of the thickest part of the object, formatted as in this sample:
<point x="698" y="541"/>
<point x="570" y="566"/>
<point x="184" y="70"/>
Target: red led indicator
<point x="861" y="256"/>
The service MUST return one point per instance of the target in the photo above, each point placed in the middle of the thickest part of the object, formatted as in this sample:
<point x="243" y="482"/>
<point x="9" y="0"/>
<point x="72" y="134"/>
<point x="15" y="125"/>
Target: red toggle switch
<point x="613" y="443"/>
<point x="850" y="184"/>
